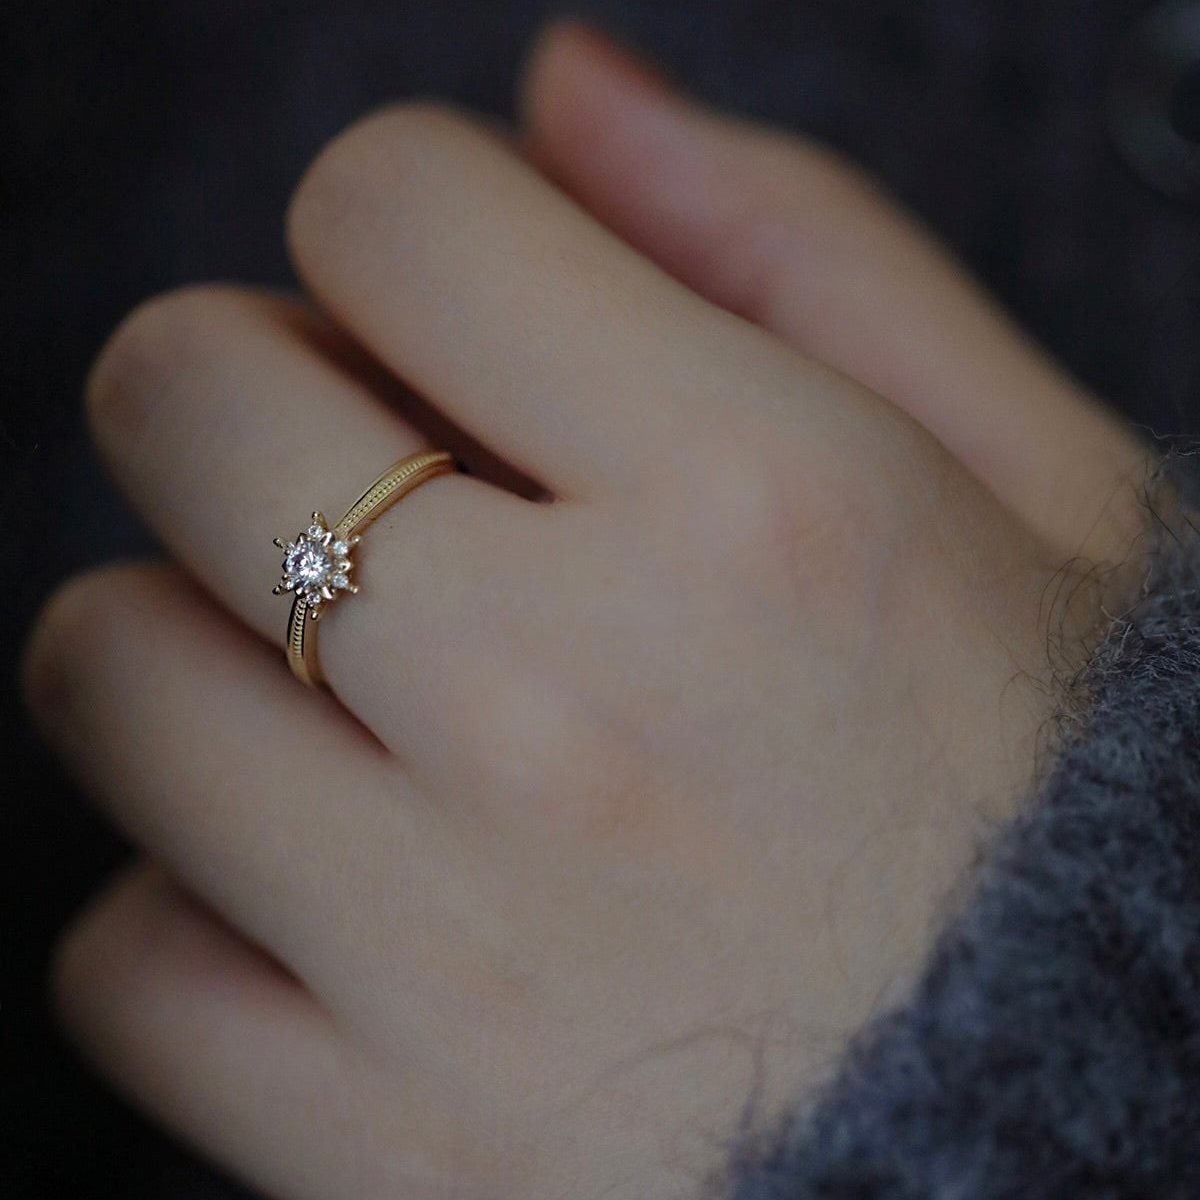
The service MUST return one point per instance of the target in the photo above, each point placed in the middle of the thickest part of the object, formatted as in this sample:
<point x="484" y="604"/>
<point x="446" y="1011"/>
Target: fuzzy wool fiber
<point x="1051" y="1047"/>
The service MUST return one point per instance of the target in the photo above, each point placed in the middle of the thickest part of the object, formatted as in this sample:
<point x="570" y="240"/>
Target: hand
<point x="626" y="807"/>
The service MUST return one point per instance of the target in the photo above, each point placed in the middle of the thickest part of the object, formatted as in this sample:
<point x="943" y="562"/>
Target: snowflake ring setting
<point x="317" y="565"/>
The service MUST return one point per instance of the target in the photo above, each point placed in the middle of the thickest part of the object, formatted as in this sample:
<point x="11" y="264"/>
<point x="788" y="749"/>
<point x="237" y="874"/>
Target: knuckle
<point x="399" y="141"/>
<point x="92" y="970"/>
<point x="76" y="969"/>
<point x="548" y="754"/>
<point x="141" y="362"/>
<point x="776" y="513"/>
<point x="741" y="498"/>
<point x="82" y="616"/>
<point x="57" y="631"/>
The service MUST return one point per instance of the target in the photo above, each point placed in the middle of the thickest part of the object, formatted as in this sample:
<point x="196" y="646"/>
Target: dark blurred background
<point x="144" y="144"/>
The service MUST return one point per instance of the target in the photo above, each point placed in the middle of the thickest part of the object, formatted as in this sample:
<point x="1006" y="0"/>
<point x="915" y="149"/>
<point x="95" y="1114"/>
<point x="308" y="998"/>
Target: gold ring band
<point x="317" y="565"/>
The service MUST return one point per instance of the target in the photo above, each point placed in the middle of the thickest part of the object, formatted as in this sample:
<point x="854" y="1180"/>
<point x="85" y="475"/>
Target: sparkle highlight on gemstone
<point x="316" y="565"/>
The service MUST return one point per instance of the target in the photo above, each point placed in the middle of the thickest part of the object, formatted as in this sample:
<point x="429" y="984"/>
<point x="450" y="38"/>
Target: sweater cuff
<point x="1051" y="1047"/>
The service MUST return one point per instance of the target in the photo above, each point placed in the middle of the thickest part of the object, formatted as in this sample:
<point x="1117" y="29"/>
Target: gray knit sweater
<point x="1051" y="1048"/>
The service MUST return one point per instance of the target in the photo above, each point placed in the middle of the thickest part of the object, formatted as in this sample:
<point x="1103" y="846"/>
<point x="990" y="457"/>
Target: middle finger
<point x="531" y="325"/>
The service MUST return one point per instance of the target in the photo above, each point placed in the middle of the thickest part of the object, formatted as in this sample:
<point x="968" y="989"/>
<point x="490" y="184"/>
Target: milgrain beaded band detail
<point x="317" y="565"/>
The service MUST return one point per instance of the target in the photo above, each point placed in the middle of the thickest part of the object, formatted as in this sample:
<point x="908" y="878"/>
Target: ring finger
<point x="232" y="396"/>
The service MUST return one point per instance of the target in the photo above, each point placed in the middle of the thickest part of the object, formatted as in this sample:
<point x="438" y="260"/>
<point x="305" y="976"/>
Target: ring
<point x="317" y="565"/>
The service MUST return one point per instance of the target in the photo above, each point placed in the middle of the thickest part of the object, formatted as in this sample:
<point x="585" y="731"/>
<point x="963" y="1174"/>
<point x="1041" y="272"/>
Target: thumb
<point x="787" y="234"/>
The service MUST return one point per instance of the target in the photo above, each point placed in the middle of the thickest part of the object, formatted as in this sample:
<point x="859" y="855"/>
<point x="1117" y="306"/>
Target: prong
<point x="327" y="592"/>
<point x="353" y="589"/>
<point x="314" y="611"/>
<point x="278" y="590"/>
<point x="280" y="543"/>
<point x="327" y="538"/>
<point x="356" y="539"/>
<point x="318" y="518"/>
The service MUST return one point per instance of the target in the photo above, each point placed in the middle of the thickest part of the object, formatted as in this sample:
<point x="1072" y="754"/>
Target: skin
<point x="654" y="748"/>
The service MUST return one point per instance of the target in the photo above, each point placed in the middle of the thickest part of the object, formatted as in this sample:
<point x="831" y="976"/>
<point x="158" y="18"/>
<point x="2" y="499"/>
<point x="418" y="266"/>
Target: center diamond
<point x="308" y="564"/>
<point x="317" y="564"/>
